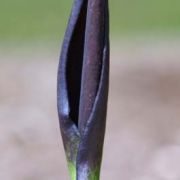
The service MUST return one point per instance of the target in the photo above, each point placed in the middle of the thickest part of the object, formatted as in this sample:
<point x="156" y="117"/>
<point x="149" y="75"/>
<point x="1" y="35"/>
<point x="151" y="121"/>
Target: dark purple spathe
<point x="83" y="77"/>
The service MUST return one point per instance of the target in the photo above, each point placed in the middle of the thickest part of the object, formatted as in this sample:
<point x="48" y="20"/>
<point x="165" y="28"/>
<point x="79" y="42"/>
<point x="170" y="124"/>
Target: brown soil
<point x="143" y="124"/>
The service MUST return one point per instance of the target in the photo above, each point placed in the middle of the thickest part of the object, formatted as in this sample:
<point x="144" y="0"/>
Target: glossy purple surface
<point x="83" y="77"/>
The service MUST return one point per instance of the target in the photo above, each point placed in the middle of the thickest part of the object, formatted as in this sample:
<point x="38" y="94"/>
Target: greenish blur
<point x="29" y="20"/>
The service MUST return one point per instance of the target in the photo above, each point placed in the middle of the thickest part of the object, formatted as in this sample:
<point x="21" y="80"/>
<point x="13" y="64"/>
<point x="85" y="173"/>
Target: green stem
<point x="84" y="174"/>
<point x="72" y="170"/>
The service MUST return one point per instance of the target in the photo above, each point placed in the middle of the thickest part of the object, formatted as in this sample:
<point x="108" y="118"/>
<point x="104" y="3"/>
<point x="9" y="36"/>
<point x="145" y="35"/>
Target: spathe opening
<point x="75" y="63"/>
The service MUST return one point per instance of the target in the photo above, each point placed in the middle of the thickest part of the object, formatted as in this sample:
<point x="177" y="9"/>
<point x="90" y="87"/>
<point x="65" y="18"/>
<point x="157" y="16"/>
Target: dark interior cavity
<point x="75" y="62"/>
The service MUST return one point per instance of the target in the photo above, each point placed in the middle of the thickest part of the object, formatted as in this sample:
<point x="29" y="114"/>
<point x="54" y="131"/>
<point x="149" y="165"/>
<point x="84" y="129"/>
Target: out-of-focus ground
<point x="143" y="125"/>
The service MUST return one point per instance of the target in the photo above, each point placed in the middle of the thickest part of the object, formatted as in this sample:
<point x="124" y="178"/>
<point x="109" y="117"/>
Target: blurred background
<point x="143" y="128"/>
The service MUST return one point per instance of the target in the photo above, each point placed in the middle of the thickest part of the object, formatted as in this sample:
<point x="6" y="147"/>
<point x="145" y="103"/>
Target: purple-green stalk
<point x="82" y="88"/>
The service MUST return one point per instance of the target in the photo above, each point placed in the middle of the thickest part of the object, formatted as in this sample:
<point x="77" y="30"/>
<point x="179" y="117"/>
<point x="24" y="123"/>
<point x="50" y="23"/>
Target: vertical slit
<point x="74" y="64"/>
